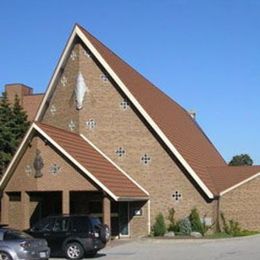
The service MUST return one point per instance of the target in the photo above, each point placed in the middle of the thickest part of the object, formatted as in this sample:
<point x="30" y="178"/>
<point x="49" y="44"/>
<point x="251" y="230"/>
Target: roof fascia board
<point x="55" y="74"/>
<point x="132" y="198"/>
<point x="239" y="184"/>
<point x="143" y="112"/>
<point x="91" y="176"/>
<point x="113" y="163"/>
<point x="16" y="156"/>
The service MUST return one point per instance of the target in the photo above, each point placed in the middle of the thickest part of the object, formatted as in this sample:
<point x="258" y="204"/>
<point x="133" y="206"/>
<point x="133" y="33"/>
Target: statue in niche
<point x="38" y="164"/>
<point x="80" y="91"/>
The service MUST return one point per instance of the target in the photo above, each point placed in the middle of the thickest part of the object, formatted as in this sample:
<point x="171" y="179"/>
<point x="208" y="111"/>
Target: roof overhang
<point x="239" y="184"/>
<point x="35" y="128"/>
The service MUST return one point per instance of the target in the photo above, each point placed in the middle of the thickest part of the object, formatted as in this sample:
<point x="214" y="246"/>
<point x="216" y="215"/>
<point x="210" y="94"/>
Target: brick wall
<point x="242" y="205"/>
<point x="68" y="178"/>
<point x="62" y="108"/>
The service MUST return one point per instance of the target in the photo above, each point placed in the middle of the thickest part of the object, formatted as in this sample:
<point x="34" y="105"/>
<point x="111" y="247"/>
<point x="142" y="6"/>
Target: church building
<point x="105" y="141"/>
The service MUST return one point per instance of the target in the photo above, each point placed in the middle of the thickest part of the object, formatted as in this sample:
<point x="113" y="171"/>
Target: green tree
<point x="241" y="160"/>
<point x="20" y="123"/>
<point x="13" y="125"/>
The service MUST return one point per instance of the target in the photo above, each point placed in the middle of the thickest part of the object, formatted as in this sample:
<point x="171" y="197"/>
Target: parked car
<point x="16" y="245"/>
<point x="72" y="236"/>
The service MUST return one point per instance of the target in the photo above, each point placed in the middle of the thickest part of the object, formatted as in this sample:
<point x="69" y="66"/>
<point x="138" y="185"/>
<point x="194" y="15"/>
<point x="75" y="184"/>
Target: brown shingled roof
<point x="87" y="156"/>
<point x="175" y="122"/>
<point x="229" y="176"/>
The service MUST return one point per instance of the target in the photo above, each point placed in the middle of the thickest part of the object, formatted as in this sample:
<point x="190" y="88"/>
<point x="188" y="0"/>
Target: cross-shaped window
<point x="54" y="169"/>
<point x="120" y="152"/>
<point x="73" y="55"/>
<point x="86" y="53"/>
<point x="53" y="110"/>
<point x="71" y="125"/>
<point x="28" y="169"/>
<point x="91" y="123"/>
<point x="64" y="81"/>
<point x="124" y="104"/>
<point x="146" y="159"/>
<point x="177" y="196"/>
<point x="104" y="77"/>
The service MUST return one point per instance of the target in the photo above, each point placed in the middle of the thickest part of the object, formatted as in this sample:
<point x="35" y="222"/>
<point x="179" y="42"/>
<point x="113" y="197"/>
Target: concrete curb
<point x="197" y="240"/>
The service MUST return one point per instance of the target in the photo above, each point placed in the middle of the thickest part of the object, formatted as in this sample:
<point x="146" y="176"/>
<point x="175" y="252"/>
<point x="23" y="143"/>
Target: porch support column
<point x="107" y="211"/>
<point x="5" y="209"/>
<point x="65" y="202"/>
<point x="25" y="209"/>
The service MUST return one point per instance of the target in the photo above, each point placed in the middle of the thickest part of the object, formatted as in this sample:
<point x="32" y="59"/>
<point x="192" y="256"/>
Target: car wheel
<point x="74" y="251"/>
<point x="5" y="256"/>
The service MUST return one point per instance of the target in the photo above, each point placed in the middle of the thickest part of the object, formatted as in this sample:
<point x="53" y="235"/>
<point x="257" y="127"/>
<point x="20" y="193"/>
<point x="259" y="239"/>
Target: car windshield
<point x="15" y="234"/>
<point x="95" y="221"/>
<point x="45" y="224"/>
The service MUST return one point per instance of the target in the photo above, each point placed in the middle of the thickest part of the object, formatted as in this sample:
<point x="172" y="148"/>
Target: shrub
<point x="159" y="228"/>
<point x="171" y="219"/>
<point x="185" y="226"/>
<point x="196" y="223"/>
<point x="231" y="227"/>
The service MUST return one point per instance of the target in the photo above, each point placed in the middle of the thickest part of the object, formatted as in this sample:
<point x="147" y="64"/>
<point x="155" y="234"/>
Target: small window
<point x="120" y="152"/>
<point x="104" y="78"/>
<point x="91" y="124"/>
<point x="61" y="225"/>
<point x="145" y="159"/>
<point x="177" y="196"/>
<point x="124" y="104"/>
<point x="43" y="225"/>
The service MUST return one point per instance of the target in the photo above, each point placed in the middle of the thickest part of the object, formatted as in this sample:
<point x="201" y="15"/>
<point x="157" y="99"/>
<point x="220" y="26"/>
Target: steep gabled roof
<point x="173" y="120"/>
<point x="109" y="177"/>
<point x="170" y="121"/>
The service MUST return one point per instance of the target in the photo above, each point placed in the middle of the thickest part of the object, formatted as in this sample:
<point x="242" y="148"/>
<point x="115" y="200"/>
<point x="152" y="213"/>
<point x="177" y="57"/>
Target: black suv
<point x="72" y="236"/>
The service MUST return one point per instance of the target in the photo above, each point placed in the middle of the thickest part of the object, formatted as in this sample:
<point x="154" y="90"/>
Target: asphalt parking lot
<point x="245" y="248"/>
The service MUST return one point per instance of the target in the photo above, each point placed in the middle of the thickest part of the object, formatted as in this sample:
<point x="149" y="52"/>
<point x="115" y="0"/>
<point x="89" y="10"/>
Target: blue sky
<point x="203" y="54"/>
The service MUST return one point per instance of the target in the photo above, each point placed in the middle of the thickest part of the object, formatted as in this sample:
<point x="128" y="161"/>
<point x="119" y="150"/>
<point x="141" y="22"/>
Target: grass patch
<point x="225" y="235"/>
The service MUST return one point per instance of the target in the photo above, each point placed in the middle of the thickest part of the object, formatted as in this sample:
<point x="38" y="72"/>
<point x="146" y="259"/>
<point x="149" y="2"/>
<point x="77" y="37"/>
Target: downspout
<point x="149" y="216"/>
<point x="218" y="229"/>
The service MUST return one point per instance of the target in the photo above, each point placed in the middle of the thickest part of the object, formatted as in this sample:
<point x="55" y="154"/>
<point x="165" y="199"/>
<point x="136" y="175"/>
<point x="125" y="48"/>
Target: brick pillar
<point x="25" y="209"/>
<point x="65" y="202"/>
<point x="5" y="209"/>
<point x="107" y="211"/>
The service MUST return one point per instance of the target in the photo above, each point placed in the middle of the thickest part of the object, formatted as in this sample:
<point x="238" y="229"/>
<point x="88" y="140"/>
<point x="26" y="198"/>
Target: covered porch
<point x="23" y="209"/>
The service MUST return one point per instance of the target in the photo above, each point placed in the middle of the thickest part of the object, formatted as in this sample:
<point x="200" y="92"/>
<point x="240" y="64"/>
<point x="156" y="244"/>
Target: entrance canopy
<point x="84" y="155"/>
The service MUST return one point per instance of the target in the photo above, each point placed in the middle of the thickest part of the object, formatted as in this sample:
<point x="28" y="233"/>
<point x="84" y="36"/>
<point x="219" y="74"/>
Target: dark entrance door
<point x="124" y="219"/>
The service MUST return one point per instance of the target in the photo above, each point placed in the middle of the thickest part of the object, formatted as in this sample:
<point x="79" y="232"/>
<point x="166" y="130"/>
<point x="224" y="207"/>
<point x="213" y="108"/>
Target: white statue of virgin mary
<point x="80" y="91"/>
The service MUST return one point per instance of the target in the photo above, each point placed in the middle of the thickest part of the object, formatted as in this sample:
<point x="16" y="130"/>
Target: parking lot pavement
<point x="246" y="248"/>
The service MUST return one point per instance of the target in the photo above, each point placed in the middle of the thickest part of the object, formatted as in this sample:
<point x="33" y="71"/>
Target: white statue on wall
<point x="80" y="91"/>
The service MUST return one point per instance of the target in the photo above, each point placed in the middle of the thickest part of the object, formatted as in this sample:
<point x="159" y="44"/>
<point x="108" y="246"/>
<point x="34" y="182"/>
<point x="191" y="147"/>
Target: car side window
<point x="61" y="225"/>
<point x="80" y="224"/>
<point x="44" y="225"/>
